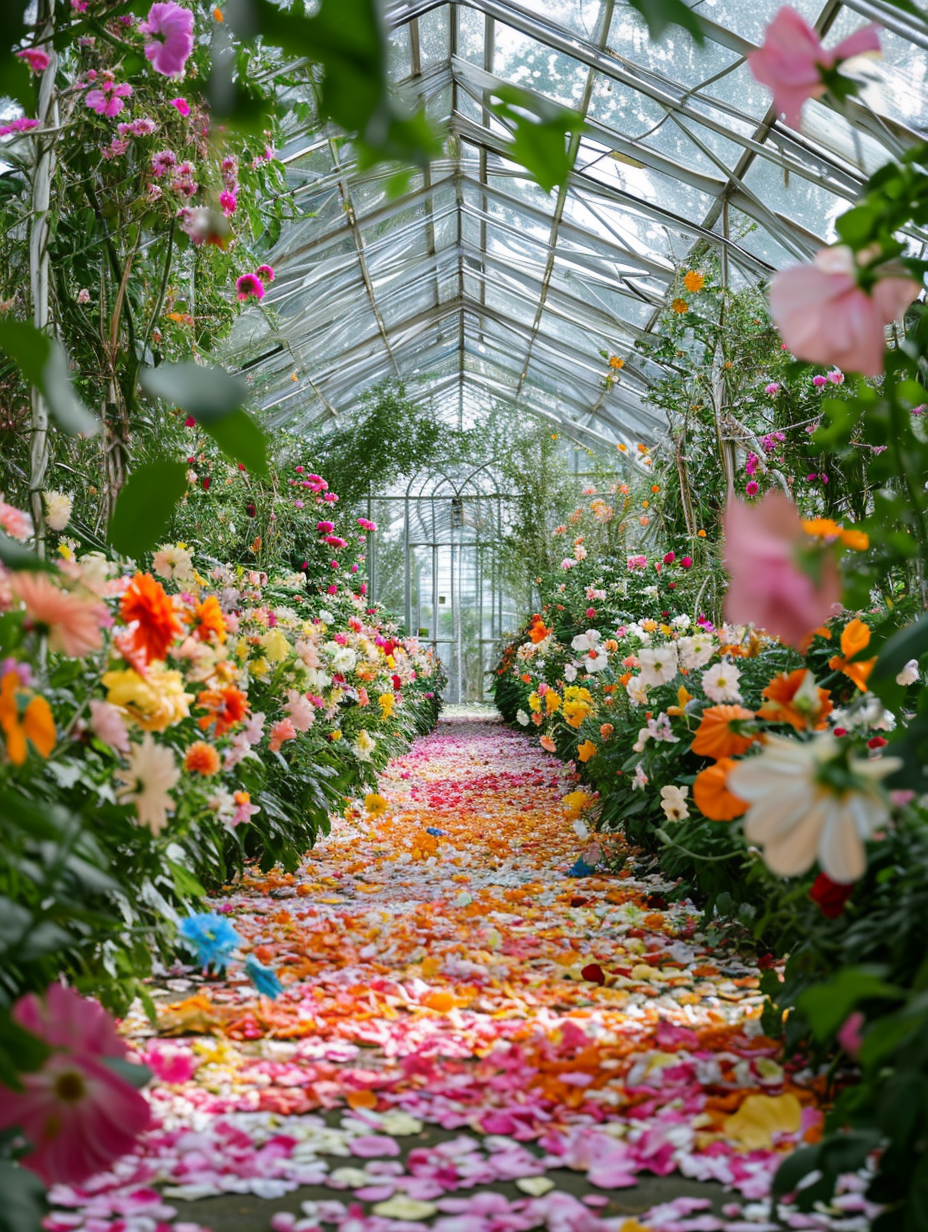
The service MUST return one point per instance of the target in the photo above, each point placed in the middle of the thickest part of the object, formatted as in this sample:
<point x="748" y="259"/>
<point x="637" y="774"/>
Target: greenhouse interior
<point x="463" y="616"/>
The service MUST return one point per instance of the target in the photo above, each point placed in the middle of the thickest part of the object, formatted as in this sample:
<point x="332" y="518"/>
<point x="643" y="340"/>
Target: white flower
<point x="909" y="673"/>
<point x="57" y="509"/>
<point x="637" y="691"/>
<point x="809" y="801"/>
<point x="658" y="665"/>
<point x="594" y="656"/>
<point x="173" y="561"/>
<point x="720" y="683"/>
<point x="522" y="717"/>
<point x="147" y="782"/>
<point x="695" y="651"/>
<point x="640" y="781"/>
<point x="673" y="802"/>
<point x="570" y="673"/>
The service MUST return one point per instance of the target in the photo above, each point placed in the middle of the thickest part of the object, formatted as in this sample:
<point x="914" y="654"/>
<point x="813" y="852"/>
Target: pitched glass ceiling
<point x="476" y="285"/>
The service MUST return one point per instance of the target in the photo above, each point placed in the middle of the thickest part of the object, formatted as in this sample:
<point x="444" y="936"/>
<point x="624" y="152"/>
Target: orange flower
<point x="146" y="606"/>
<point x="586" y="750"/>
<point x="786" y="704"/>
<point x="694" y="281"/>
<point x="208" y="619"/>
<point x="711" y="794"/>
<point x="202" y="758"/>
<point x="680" y="306"/>
<point x="35" y="723"/>
<point x="719" y="734"/>
<point x="227" y="707"/>
<point x="855" y="637"/>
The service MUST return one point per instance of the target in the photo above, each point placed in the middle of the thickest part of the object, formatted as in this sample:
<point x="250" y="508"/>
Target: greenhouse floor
<point x="471" y="1036"/>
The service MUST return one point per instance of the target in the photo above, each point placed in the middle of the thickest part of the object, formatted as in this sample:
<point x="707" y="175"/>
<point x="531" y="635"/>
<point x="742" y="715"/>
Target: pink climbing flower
<point x="37" y="59"/>
<point x="76" y="1112"/>
<point x="170" y="42"/>
<point x="107" y="98"/>
<point x="248" y="286"/>
<point x="181" y="105"/>
<point x="826" y="317"/>
<point x="768" y="588"/>
<point x="793" y="63"/>
<point x="265" y="272"/>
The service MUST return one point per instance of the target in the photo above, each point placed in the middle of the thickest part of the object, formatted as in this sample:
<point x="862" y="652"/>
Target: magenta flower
<point x="37" y="59"/>
<point x="768" y="588"/>
<point x="171" y="38"/>
<point x="76" y="1112"/>
<point x="752" y="487"/>
<point x="229" y="204"/>
<point x="249" y="285"/>
<point x="107" y="98"/>
<point x="825" y="317"/>
<point x="265" y="272"/>
<point x="792" y="61"/>
<point x="181" y="105"/>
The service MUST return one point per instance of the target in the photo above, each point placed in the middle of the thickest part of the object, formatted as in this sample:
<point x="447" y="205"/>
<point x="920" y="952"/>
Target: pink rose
<point x="170" y="42"/>
<point x="825" y="317"/>
<point x="767" y="586"/>
<point x="792" y="61"/>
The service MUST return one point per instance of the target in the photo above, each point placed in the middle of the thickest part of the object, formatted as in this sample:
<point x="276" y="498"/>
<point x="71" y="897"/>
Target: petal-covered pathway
<point x="462" y="1021"/>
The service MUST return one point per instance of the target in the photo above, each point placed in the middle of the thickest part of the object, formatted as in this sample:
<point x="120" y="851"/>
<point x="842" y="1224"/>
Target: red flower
<point x="830" y="896"/>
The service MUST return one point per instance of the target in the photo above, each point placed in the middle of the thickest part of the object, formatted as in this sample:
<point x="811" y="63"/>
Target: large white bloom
<point x="658" y="664"/>
<point x="589" y="645"/>
<point x="673" y="802"/>
<point x="696" y="651"/>
<point x="57" y="509"/>
<point x="720" y="683"/>
<point x="808" y="803"/>
<point x="147" y="782"/>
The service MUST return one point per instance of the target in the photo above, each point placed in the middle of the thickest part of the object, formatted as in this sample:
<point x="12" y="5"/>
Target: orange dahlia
<point x="148" y="608"/>
<point x="207" y="619"/>
<point x="720" y="733"/>
<point x="711" y="794"/>
<point x="202" y="758"/>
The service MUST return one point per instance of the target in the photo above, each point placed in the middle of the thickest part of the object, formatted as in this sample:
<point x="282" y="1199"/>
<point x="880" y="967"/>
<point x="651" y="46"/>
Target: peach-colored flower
<point x="767" y="586"/>
<point x="825" y="317"/>
<point x="74" y="625"/>
<point x="792" y="59"/>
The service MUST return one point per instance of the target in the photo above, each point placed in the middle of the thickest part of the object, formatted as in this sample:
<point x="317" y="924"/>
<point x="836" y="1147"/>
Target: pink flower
<point x="793" y="63"/>
<point x="76" y="1112"/>
<point x="107" y="99"/>
<point x="37" y="59"/>
<point x="827" y="318"/>
<point x="228" y="203"/>
<point x="767" y="586"/>
<point x="249" y="285"/>
<point x="281" y="732"/>
<point x="171" y="38"/>
<point x="265" y="272"/>
<point x="181" y="105"/>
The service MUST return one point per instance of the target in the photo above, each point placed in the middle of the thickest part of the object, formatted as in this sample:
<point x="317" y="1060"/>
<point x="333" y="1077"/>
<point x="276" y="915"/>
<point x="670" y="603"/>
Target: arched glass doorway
<point x="435" y="559"/>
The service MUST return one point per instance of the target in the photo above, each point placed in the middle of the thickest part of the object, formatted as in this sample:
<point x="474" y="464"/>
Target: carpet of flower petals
<point x="463" y="980"/>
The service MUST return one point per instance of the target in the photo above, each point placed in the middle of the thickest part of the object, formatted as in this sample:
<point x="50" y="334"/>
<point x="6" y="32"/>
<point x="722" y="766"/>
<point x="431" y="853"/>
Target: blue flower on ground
<point x="435" y="830"/>
<point x="581" y="869"/>
<point x="264" y="978"/>
<point x="211" y="937"/>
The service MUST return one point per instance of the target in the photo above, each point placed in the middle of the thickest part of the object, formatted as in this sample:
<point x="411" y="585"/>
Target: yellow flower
<point x="680" y="306"/>
<point x="155" y="702"/>
<point x="694" y="281"/>
<point x="375" y="804"/>
<point x="586" y="750"/>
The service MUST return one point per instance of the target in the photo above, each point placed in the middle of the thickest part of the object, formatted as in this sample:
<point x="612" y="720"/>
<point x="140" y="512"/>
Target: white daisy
<point x="810" y="801"/>
<point x="720" y="683"/>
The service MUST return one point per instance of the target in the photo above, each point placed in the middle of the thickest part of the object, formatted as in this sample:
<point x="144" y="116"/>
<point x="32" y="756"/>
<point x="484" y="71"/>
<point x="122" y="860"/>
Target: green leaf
<point x="44" y="364"/>
<point x="24" y="1203"/>
<point x="16" y="556"/>
<point x="205" y="393"/>
<point x="828" y="1005"/>
<point x="145" y="506"/>
<point x="659" y="14"/>
<point x="540" y="130"/>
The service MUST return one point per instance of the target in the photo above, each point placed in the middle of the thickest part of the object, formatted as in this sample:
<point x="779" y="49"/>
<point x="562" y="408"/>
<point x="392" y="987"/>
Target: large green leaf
<point x="24" y="1203"/>
<point x="215" y="399"/>
<point x="44" y="364"/>
<point x="659" y="14"/>
<point x="145" y="506"/>
<point x="540" y="131"/>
